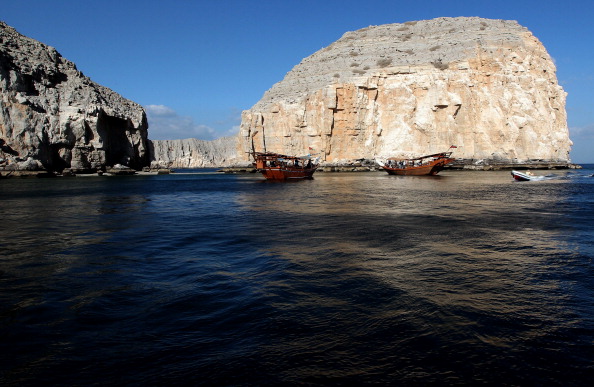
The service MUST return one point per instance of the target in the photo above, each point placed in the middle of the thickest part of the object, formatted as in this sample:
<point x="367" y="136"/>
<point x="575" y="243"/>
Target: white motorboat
<point x="526" y="176"/>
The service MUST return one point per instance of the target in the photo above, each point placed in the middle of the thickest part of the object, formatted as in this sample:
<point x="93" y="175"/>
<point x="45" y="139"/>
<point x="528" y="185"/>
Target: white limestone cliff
<point x="52" y="117"/>
<point x="487" y="86"/>
<point x="194" y="153"/>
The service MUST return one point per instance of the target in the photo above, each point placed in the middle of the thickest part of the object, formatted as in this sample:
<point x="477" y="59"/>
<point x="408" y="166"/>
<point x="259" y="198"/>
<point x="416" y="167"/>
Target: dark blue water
<point x="467" y="278"/>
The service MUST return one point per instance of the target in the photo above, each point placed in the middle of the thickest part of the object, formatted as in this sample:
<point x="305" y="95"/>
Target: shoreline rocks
<point x="456" y="166"/>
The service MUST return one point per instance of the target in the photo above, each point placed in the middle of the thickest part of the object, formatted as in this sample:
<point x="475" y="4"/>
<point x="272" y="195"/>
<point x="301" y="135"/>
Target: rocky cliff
<point x="194" y="153"/>
<point x="487" y="86"/>
<point x="53" y="117"/>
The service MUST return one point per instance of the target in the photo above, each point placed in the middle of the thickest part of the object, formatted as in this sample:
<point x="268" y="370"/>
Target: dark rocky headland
<point x="53" y="118"/>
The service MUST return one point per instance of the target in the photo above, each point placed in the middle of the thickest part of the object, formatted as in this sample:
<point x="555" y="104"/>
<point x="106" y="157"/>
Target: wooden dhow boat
<point x="424" y="165"/>
<point x="275" y="166"/>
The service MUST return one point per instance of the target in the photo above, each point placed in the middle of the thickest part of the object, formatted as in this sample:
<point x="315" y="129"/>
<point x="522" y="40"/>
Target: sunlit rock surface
<point x="53" y="117"/>
<point x="194" y="153"/>
<point x="487" y="86"/>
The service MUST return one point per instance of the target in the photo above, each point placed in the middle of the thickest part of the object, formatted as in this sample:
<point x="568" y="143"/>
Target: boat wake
<point x="529" y="176"/>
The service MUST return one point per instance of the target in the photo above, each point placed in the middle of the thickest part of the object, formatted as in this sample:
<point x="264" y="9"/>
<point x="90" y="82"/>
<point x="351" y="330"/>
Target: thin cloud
<point x="160" y="110"/>
<point x="232" y="121"/>
<point x="166" y="124"/>
<point x="582" y="132"/>
<point x="232" y="132"/>
<point x="582" y="138"/>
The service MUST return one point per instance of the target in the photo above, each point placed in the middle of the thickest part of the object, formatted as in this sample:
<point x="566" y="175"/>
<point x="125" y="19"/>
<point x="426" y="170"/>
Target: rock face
<point x="53" y="117"/>
<point x="193" y="153"/>
<point x="487" y="86"/>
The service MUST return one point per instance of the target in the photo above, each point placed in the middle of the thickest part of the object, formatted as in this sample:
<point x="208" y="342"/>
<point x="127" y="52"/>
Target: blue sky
<point x="195" y="65"/>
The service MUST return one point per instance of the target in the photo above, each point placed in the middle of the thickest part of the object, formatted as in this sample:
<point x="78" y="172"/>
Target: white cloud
<point x="166" y="124"/>
<point x="160" y="110"/>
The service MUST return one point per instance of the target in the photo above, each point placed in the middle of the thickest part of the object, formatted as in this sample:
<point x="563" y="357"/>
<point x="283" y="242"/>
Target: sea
<point x="203" y="278"/>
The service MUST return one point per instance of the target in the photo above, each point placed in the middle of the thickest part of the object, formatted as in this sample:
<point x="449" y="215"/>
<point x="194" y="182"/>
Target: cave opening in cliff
<point x="112" y="131"/>
<point x="56" y="161"/>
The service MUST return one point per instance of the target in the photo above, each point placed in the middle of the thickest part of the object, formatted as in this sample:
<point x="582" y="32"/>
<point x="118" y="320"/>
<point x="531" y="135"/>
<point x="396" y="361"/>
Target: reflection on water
<point x="463" y="278"/>
<point x="467" y="257"/>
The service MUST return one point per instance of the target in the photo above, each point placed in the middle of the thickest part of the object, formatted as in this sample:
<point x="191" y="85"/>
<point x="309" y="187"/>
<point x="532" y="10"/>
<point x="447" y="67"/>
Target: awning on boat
<point x="442" y="154"/>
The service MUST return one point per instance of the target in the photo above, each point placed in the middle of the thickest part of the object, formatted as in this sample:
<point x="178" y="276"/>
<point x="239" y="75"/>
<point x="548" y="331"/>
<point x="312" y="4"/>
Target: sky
<point x="196" y="65"/>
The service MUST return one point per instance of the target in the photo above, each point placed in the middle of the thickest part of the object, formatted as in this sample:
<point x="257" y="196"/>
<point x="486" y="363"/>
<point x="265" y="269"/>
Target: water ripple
<point x="211" y="279"/>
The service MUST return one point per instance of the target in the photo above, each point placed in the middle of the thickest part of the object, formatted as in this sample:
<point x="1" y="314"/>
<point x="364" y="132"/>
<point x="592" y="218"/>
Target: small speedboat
<point x="525" y="176"/>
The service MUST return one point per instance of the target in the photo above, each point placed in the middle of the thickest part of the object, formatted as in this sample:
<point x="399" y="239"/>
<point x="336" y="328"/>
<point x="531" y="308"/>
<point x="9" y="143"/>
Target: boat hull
<point x="430" y="169"/>
<point x="274" y="166"/>
<point x="287" y="173"/>
<point x="519" y="176"/>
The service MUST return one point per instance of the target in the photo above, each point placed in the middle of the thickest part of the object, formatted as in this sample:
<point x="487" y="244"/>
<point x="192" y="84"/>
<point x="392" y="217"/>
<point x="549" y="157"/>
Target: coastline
<point x="354" y="167"/>
<point x="457" y="166"/>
